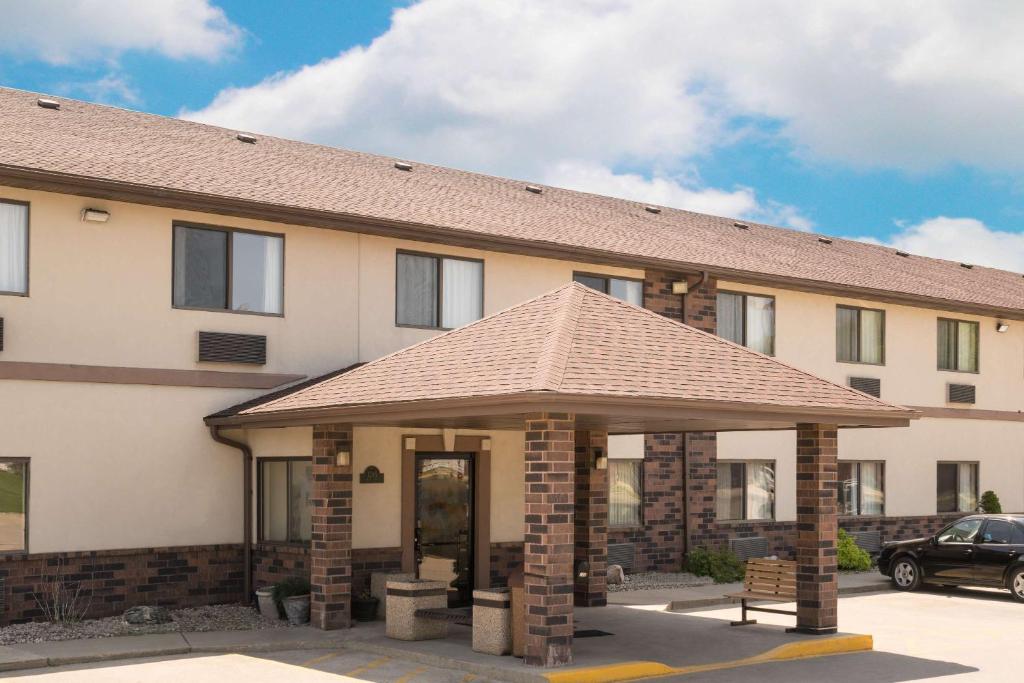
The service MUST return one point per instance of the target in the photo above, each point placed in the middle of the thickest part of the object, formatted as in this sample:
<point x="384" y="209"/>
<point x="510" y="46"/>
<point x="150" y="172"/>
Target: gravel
<point x="659" y="580"/>
<point x="209" y="618"/>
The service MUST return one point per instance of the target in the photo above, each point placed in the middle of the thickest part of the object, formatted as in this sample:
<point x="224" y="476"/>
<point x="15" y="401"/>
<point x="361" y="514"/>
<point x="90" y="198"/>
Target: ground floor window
<point x="284" y="499"/>
<point x="625" y="492"/>
<point x="957" y="489"/>
<point x="746" y="490"/>
<point x="13" y="505"/>
<point x="861" y="488"/>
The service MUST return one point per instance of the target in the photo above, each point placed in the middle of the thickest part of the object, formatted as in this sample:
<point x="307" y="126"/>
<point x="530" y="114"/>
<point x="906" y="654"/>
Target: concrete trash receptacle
<point x="404" y="598"/>
<point x="378" y="588"/>
<point x="492" y="621"/>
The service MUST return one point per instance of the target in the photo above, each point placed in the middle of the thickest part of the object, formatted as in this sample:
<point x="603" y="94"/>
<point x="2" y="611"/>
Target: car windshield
<point x="961" y="532"/>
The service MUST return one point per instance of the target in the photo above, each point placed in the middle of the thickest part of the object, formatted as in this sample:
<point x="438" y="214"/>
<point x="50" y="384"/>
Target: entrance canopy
<point x="619" y="368"/>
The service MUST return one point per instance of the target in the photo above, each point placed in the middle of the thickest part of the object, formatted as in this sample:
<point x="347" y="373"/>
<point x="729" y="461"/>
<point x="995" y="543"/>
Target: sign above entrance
<point x="371" y="475"/>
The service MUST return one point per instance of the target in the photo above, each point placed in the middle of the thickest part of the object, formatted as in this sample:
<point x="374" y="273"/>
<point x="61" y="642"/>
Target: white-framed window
<point x="627" y="289"/>
<point x="13" y="505"/>
<point x="285" y="508"/>
<point x="221" y="269"/>
<point x="957" y="487"/>
<point x="746" y="490"/>
<point x="13" y="247"/>
<point x="438" y="292"/>
<point x="861" y="488"/>
<point x="958" y="345"/>
<point x="747" y="319"/>
<point x="625" y="492"/>
<point x="860" y="335"/>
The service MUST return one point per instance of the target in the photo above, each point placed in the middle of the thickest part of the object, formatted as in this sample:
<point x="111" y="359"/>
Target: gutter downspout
<point x="247" y="512"/>
<point x="704" y="275"/>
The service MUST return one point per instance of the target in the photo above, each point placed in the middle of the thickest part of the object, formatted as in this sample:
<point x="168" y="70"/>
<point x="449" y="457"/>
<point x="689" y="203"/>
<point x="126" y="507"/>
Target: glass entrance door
<point x="444" y="523"/>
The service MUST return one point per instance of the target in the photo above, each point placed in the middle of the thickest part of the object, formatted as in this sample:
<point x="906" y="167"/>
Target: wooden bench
<point x="768" y="581"/>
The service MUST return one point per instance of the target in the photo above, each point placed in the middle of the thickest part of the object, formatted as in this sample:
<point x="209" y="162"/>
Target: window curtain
<point x="947" y="345"/>
<point x="463" y="292"/>
<point x="300" y="508"/>
<point x="847" y="488"/>
<point x="967" y="487"/>
<point x="630" y="291"/>
<point x="417" y="290"/>
<point x="13" y="248"/>
<point x="624" y="492"/>
<point x="760" y="490"/>
<point x="871" y="335"/>
<point x="730" y="317"/>
<point x="273" y="275"/>
<point x="257" y="269"/>
<point x="846" y="334"/>
<point x="729" y="494"/>
<point x="872" y="495"/>
<point x="274" y="500"/>
<point x="761" y="324"/>
<point x="967" y="347"/>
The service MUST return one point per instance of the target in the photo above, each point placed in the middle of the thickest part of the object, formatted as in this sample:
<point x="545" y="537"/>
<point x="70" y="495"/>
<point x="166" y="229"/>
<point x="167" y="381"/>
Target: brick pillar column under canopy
<point x="548" y="552"/>
<point x="331" y="546"/>
<point x="817" y="584"/>
<point x="591" y="542"/>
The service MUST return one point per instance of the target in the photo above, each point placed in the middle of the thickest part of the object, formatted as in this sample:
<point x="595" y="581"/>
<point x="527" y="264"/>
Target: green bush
<point x="720" y="565"/>
<point x="990" y="503"/>
<point x="850" y="557"/>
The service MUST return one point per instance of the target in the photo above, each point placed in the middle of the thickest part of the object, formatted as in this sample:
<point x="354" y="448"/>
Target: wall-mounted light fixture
<point x="485" y="444"/>
<point x="1001" y="326"/>
<point x="95" y="215"/>
<point x="680" y="287"/>
<point x="343" y="458"/>
<point x="600" y="459"/>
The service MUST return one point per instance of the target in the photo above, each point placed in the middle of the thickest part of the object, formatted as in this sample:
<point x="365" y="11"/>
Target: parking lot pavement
<point x="935" y="634"/>
<point x="365" y="666"/>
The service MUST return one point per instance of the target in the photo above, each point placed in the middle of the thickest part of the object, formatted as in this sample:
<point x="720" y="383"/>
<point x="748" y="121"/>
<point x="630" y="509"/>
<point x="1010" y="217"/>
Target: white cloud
<point x="114" y="88"/>
<point x="69" y="31"/>
<point x="678" y="192"/>
<point x="966" y="240"/>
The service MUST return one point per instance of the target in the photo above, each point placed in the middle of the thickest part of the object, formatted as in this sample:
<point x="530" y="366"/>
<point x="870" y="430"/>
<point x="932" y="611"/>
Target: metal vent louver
<point x="224" y="347"/>
<point x="746" y="548"/>
<point x="961" y="393"/>
<point x="622" y="554"/>
<point x="868" y="385"/>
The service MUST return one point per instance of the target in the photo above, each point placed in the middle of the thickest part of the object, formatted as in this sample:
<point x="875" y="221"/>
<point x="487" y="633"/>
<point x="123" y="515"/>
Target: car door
<point x="994" y="551"/>
<point x="950" y="559"/>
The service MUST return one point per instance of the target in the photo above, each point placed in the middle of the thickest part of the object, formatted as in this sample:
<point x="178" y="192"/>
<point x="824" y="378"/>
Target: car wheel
<point x="1017" y="584"/>
<point x="906" y="575"/>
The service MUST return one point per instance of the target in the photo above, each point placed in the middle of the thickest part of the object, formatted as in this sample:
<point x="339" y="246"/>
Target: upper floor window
<point x="748" y="320"/>
<point x="438" y="291"/>
<point x="860" y="335"/>
<point x="221" y="269"/>
<point x="746" y="490"/>
<point x="958" y="345"/>
<point x="625" y="492"/>
<point x="13" y="508"/>
<point x="861" y="488"/>
<point x="13" y="248"/>
<point x="286" y="512"/>
<point x="957" y="487"/>
<point x="629" y="290"/>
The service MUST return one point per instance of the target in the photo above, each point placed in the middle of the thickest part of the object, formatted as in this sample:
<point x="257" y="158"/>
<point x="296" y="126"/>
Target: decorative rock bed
<point x="210" y="618"/>
<point x="657" y="581"/>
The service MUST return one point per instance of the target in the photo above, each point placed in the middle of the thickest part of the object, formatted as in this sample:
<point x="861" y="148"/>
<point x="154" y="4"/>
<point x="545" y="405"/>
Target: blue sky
<point x="899" y="125"/>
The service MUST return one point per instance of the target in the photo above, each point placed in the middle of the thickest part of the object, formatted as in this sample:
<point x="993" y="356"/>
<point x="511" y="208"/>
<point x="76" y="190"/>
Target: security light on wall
<point x="680" y="287"/>
<point x="1001" y="326"/>
<point x="343" y="458"/>
<point x="95" y="215"/>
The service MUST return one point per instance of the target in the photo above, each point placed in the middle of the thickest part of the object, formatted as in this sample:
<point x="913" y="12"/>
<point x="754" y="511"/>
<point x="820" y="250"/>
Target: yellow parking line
<point x="411" y="675"/>
<point x="320" y="659"/>
<point x="371" y="665"/>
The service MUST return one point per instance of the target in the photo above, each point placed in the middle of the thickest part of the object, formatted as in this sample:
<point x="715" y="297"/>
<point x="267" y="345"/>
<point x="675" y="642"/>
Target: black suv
<point x="980" y="550"/>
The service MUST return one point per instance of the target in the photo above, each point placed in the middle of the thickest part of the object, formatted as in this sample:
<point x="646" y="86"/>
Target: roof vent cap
<point x="403" y="166"/>
<point x="968" y="266"/>
<point x="904" y="254"/>
<point x="47" y="103"/>
<point x="825" y="240"/>
<point x="534" y="189"/>
<point x="245" y="137"/>
<point x="741" y="226"/>
<point x="652" y="209"/>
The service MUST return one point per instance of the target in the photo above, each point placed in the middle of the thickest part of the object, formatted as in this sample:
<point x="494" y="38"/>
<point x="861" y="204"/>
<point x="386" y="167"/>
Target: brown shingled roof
<point x="577" y="346"/>
<point x="104" y="151"/>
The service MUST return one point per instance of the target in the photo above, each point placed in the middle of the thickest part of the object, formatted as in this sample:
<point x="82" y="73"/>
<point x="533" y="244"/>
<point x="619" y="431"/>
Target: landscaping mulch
<point x="659" y="580"/>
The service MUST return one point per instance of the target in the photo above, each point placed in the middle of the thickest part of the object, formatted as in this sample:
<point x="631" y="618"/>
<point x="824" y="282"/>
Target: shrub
<point x="720" y="565"/>
<point x="990" y="503"/>
<point x="289" y="587"/>
<point x="850" y="557"/>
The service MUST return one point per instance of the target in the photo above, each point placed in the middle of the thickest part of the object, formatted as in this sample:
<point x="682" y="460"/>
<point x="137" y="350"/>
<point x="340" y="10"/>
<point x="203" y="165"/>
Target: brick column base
<point x="591" y="520"/>
<point x="817" y="585"/>
<point x="548" y="552"/>
<point x="331" y="546"/>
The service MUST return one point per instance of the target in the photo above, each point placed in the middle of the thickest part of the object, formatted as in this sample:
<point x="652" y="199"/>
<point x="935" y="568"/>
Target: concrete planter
<point x="265" y="600"/>
<point x="296" y="608"/>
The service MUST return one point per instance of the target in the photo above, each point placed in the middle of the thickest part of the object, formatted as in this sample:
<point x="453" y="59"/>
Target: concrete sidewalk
<point x="714" y="594"/>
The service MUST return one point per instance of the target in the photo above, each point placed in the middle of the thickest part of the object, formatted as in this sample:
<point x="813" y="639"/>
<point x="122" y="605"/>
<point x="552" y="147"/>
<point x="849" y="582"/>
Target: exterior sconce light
<point x="95" y="215"/>
<point x="1001" y="326"/>
<point x="485" y="444"/>
<point x="680" y="287"/>
<point x="343" y="458"/>
<point x="600" y="459"/>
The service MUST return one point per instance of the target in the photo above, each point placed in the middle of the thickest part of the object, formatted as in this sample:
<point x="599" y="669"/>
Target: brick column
<point x="817" y="585"/>
<point x="548" y="552"/>
<point x="591" y="519"/>
<point x="331" y="547"/>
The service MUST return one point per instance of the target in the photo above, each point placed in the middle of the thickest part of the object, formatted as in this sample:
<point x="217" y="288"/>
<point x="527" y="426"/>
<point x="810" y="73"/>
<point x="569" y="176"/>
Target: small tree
<point x="849" y="556"/>
<point x="990" y="503"/>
